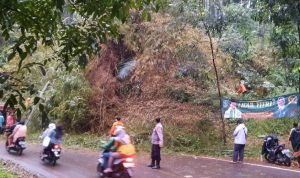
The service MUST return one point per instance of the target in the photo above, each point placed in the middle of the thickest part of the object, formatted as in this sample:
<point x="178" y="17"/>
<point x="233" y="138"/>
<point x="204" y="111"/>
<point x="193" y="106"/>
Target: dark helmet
<point x="239" y="120"/>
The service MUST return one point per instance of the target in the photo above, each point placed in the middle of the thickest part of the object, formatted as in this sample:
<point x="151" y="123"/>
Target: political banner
<point x="278" y="107"/>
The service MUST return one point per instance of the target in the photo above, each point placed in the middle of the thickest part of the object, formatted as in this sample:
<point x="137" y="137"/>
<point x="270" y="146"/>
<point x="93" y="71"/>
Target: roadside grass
<point x="4" y="173"/>
<point x="74" y="141"/>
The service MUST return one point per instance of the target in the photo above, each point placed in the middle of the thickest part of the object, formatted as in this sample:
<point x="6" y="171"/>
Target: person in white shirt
<point x="233" y="112"/>
<point x="240" y="138"/>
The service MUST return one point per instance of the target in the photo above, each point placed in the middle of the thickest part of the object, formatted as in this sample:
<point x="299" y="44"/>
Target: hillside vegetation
<point x="162" y="67"/>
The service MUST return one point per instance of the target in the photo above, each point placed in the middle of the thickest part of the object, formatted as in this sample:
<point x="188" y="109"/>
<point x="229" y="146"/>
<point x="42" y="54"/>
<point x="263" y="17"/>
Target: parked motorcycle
<point x="274" y="152"/>
<point x="122" y="168"/>
<point x="18" y="147"/>
<point x="51" y="153"/>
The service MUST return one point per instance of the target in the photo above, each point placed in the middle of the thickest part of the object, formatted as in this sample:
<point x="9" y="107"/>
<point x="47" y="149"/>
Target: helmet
<point x="119" y="130"/>
<point x="239" y="120"/>
<point x="51" y="126"/>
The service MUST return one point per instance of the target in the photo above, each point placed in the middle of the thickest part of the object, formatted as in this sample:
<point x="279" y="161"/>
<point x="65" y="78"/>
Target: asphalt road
<point x="82" y="164"/>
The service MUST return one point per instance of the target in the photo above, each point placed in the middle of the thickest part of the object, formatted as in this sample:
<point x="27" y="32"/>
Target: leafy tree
<point x="73" y="28"/>
<point x="285" y="14"/>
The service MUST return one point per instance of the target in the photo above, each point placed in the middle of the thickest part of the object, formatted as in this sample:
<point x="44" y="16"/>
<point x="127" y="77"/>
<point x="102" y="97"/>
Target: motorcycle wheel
<point x="100" y="171"/>
<point x="6" y="146"/>
<point x="53" y="162"/>
<point x="287" y="161"/>
<point x="267" y="157"/>
<point x="20" y="152"/>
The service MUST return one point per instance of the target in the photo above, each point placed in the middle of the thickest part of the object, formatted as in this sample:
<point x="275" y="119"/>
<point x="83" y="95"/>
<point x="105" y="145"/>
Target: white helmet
<point x="51" y="126"/>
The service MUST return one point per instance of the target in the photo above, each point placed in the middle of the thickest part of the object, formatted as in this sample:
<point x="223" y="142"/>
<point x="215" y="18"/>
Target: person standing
<point x="240" y="137"/>
<point x="242" y="88"/>
<point x="1" y="122"/>
<point x="157" y="141"/>
<point x="295" y="141"/>
<point x="10" y="121"/>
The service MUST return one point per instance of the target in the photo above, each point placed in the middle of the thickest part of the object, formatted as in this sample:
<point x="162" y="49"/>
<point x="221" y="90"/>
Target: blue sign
<point x="278" y="107"/>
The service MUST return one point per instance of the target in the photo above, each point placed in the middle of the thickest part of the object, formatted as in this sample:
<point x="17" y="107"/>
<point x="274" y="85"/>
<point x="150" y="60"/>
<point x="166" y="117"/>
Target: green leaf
<point x="36" y="100"/>
<point x="296" y="69"/>
<point x="41" y="107"/>
<point x="19" y="113"/>
<point x="13" y="99"/>
<point x="11" y="55"/>
<point x="21" y="101"/>
<point x="1" y="93"/>
<point x="22" y="54"/>
<point x="42" y="70"/>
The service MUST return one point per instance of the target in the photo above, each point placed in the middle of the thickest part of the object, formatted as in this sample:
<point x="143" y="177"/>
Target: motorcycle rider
<point x="121" y="144"/>
<point x="45" y="136"/>
<point x="295" y="141"/>
<point x="117" y="123"/>
<point x="55" y="137"/>
<point x="20" y="130"/>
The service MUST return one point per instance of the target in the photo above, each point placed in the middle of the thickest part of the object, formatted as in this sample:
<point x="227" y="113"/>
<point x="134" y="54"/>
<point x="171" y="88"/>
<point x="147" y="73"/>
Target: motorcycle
<point x="275" y="153"/>
<point x="51" y="153"/>
<point x="18" y="147"/>
<point x="122" y="168"/>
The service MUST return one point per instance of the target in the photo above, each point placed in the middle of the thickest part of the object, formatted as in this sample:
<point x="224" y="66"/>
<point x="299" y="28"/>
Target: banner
<point x="278" y="107"/>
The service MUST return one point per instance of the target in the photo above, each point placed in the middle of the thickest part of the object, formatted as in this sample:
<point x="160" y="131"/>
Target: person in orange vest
<point x="122" y="146"/>
<point x="117" y="122"/>
<point x="242" y="88"/>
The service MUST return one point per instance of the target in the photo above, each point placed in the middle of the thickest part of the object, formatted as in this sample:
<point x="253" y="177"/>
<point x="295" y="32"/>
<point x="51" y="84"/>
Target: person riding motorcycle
<point x="54" y="137"/>
<point x="117" y="123"/>
<point x="19" y="130"/>
<point x="122" y="146"/>
<point x="45" y="136"/>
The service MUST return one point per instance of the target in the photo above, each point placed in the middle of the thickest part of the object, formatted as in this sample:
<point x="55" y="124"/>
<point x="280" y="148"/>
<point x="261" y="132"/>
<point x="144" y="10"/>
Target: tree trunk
<point x="218" y="84"/>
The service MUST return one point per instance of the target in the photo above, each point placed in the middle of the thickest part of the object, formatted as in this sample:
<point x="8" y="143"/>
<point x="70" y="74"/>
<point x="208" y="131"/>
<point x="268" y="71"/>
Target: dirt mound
<point x="156" y="87"/>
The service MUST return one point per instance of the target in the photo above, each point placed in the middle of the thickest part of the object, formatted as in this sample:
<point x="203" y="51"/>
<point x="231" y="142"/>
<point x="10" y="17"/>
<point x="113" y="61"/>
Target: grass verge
<point x="4" y="173"/>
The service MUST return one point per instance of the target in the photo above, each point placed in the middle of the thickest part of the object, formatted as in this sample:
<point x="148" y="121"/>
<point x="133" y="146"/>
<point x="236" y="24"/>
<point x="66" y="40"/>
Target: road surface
<point x="82" y="164"/>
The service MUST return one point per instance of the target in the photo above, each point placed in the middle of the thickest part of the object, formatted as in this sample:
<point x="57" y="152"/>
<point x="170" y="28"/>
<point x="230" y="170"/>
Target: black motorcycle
<point x="51" y="153"/>
<point x="122" y="168"/>
<point x="275" y="153"/>
<point x="18" y="147"/>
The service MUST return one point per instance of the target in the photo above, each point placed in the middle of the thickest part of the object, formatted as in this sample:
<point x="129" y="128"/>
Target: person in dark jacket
<point x="295" y="140"/>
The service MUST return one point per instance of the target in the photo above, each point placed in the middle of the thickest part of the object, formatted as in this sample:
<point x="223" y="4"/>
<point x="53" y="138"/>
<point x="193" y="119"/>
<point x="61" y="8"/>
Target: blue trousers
<point x="238" y="152"/>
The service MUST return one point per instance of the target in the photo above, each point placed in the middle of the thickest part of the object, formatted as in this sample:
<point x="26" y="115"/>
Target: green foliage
<point x="180" y="95"/>
<point x="277" y="126"/>
<point x="285" y="16"/>
<point x="6" y="174"/>
<point x="73" y="29"/>
<point x="234" y="44"/>
<point x="68" y="102"/>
